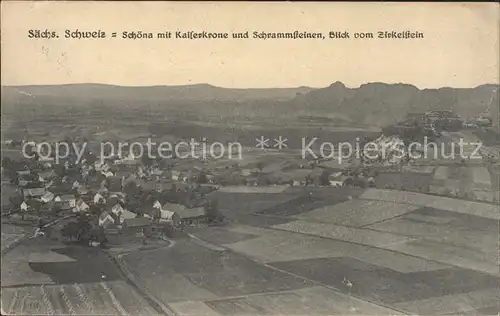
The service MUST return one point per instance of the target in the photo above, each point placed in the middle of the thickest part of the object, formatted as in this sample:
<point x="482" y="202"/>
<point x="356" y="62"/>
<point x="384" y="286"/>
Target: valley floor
<point x="402" y="253"/>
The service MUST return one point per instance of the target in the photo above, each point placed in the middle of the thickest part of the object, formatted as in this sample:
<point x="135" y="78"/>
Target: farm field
<point x="403" y="254"/>
<point x="12" y="234"/>
<point x="44" y="277"/>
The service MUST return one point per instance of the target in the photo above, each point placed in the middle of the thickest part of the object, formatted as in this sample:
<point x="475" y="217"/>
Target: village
<point x="111" y="198"/>
<point x="106" y="201"/>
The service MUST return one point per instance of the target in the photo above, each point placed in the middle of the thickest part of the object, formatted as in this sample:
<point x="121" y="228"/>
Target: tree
<point x="36" y="206"/>
<point x="98" y="235"/>
<point x="60" y="170"/>
<point x="349" y="182"/>
<point x="96" y="209"/>
<point x="91" y="158"/>
<point x="156" y="214"/>
<point x="146" y="160"/>
<point x="260" y="165"/>
<point x="33" y="205"/>
<point x="16" y="200"/>
<point x="55" y="208"/>
<point x="202" y="178"/>
<point x="133" y="201"/>
<point x="70" y="230"/>
<point x="14" y="178"/>
<point x="131" y="188"/>
<point x="84" y="228"/>
<point x="308" y="179"/>
<point x="149" y="197"/>
<point x="324" y="178"/>
<point x="360" y="183"/>
<point x="170" y="196"/>
<point x="212" y="210"/>
<point x="7" y="163"/>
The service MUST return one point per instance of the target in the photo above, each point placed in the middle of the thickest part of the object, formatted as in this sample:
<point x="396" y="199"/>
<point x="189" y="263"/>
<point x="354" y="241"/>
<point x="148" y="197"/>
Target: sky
<point x="460" y="47"/>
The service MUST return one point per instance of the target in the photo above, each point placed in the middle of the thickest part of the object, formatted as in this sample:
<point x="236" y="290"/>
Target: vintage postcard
<point x="250" y="158"/>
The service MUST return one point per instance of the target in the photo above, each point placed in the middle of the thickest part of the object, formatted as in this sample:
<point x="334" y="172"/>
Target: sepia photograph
<point x="250" y="158"/>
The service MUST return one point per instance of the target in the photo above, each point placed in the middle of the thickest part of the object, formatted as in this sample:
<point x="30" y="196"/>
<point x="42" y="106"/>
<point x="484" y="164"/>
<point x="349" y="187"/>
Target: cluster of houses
<point x="105" y="192"/>
<point x="434" y="120"/>
<point x="126" y="192"/>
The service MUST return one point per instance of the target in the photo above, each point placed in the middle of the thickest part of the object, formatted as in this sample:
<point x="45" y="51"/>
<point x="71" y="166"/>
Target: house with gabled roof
<point x="192" y="215"/>
<point x="34" y="192"/>
<point x="76" y="184"/>
<point x="184" y="215"/>
<point x="99" y="198"/>
<point x="174" y="207"/>
<point x="61" y="189"/>
<point x="155" y="171"/>
<point x="339" y="180"/>
<point x="22" y="173"/>
<point x="49" y="184"/>
<point x="68" y="198"/>
<point x="46" y="159"/>
<point x="169" y="217"/>
<point x="106" y="220"/>
<point x="98" y="165"/>
<point x="81" y="206"/>
<point x="62" y="205"/>
<point x="46" y="176"/>
<point x="82" y="190"/>
<point x="24" y="206"/>
<point x="127" y="177"/>
<point x="117" y="209"/>
<point x="125" y="215"/>
<point x="140" y="226"/>
<point x="47" y="197"/>
<point x="158" y="185"/>
<point x="157" y="205"/>
<point x="176" y="175"/>
<point x="47" y="162"/>
<point x="107" y="174"/>
<point x="23" y="183"/>
<point x="116" y="197"/>
<point x="128" y="160"/>
<point x="141" y="173"/>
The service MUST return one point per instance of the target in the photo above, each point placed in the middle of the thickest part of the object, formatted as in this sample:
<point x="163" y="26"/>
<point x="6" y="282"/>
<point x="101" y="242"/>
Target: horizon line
<point x="238" y="88"/>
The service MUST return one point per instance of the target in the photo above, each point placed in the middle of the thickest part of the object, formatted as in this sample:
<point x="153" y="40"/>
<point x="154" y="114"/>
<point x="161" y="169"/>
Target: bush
<point x="97" y="234"/>
<point x="70" y="230"/>
<point x="324" y="178"/>
<point x="212" y="210"/>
